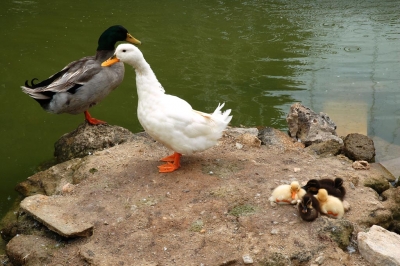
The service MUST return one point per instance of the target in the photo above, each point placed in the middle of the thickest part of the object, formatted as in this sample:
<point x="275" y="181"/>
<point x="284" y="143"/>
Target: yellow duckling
<point x="330" y="205"/>
<point x="287" y="194"/>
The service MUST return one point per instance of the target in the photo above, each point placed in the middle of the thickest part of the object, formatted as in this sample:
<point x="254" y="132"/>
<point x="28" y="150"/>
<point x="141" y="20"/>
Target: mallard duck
<point x="82" y="83"/>
<point x="309" y="208"/>
<point x="287" y="194"/>
<point x="167" y="118"/>
<point x="330" y="205"/>
<point x="334" y="187"/>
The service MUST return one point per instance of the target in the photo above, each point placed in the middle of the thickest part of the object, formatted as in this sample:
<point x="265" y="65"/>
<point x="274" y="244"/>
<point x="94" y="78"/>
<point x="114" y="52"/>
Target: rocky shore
<point x="112" y="207"/>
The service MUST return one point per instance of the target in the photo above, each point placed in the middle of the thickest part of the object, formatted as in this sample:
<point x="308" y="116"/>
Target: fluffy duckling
<point x="287" y="194"/>
<point x="309" y="208"/>
<point x="334" y="187"/>
<point x="330" y="205"/>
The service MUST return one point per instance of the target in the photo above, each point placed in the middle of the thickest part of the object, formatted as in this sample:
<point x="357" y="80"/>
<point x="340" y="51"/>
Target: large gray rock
<point x="379" y="246"/>
<point x="47" y="211"/>
<point x="87" y="139"/>
<point x="309" y="127"/>
<point x="359" y="147"/>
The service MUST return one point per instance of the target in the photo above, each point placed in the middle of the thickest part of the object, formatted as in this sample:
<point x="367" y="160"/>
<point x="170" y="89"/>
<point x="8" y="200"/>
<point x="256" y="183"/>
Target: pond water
<point x="340" y="57"/>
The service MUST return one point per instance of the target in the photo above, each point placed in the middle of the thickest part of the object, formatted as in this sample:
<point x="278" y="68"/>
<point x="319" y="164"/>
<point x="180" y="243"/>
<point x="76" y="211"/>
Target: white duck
<point x="167" y="118"/>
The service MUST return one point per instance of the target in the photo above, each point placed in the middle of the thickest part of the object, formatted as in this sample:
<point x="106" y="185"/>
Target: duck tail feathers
<point x="34" y="94"/>
<point x="222" y="116"/>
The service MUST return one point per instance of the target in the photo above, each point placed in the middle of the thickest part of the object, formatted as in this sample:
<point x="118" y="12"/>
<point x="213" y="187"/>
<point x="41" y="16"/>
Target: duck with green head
<point x="82" y="83"/>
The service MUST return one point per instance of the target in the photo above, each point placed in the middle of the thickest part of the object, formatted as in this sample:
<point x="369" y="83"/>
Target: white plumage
<point x="167" y="118"/>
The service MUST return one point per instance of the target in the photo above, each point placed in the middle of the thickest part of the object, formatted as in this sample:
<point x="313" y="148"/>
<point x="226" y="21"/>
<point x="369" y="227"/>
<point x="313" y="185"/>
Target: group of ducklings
<point x="317" y="196"/>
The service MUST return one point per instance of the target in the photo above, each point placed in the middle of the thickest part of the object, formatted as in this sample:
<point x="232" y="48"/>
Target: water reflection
<point x="258" y="56"/>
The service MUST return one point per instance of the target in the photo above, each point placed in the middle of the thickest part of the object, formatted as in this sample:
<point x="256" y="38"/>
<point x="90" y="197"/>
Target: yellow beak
<point x="131" y="39"/>
<point x="110" y="61"/>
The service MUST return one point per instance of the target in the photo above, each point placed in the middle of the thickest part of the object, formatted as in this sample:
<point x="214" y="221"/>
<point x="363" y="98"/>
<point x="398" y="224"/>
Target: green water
<point x="257" y="56"/>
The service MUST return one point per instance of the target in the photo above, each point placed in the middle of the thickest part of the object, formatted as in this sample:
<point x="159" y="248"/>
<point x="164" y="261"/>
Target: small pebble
<point x="296" y="170"/>
<point x="320" y="260"/>
<point x="274" y="232"/>
<point x="247" y="259"/>
<point x="239" y="146"/>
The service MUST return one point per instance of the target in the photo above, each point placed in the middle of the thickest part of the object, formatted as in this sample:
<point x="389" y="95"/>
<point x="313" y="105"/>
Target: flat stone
<point x="47" y="211"/>
<point x="379" y="246"/>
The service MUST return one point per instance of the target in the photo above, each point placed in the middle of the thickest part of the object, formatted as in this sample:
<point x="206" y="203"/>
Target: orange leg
<point x="173" y="163"/>
<point x="332" y="213"/>
<point x="93" y="121"/>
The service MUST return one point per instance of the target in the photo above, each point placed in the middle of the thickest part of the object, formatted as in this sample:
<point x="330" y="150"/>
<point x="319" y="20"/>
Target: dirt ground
<point x="212" y="211"/>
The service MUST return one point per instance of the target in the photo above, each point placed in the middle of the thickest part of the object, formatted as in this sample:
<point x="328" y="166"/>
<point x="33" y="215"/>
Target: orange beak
<point x="293" y="194"/>
<point x="111" y="61"/>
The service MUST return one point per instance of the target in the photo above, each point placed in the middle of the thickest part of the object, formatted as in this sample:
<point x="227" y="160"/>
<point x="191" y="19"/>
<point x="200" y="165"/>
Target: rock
<point x="326" y="148"/>
<point x="52" y="180"/>
<point x="23" y="224"/>
<point x="250" y="140"/>
<point x="272" y="137"/>
<point x="46" y="210"/>
<point x="361" y="165"/>
<point x="238" y="131"/>
<point x="320" y="260"/>
<point x="339" y="230"/>
<point x="276" y="259"/>
<point x="87" y="139"/>
<point x="309" y="127"/>
<point x="392" y="201"/>
<point x="30" y="250"/>
<point x="379" y="246"/>
<point x="247" y="259"/>
<point x="395" y="227"/>
<point x="377" y="182"/>
<point x="359" y="147"/>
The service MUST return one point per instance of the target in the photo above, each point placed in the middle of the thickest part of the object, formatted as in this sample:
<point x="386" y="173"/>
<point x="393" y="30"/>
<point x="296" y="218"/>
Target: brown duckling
<point x="334" y="187"/>
<point x="330" y="205"/>
<point x="287" y="194"/>
<point x="309" y="208"/>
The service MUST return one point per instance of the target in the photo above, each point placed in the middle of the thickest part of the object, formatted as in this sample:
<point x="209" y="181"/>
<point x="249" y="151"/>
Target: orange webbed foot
<point x="167" y="168"/>
<point x="93" y="121"/>
<point x="173" y="163"/>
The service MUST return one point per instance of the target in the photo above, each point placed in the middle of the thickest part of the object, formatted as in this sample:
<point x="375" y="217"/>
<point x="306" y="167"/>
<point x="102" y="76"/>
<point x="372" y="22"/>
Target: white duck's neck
<point x="146" y="81"/>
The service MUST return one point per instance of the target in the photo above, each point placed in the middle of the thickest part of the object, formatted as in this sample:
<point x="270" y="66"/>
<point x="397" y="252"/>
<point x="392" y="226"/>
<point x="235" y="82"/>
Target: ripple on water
<point x="352" y="49"/>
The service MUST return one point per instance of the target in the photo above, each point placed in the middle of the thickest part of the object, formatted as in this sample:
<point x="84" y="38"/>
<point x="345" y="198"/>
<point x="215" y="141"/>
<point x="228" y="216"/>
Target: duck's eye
<point x="124" y="51"/>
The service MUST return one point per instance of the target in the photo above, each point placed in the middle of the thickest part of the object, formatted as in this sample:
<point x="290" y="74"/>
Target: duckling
<point x="309" y="208"/>
<point x="334" y="187"/>
<point x="287" y="194"/>
<point x="330" y="205"/>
